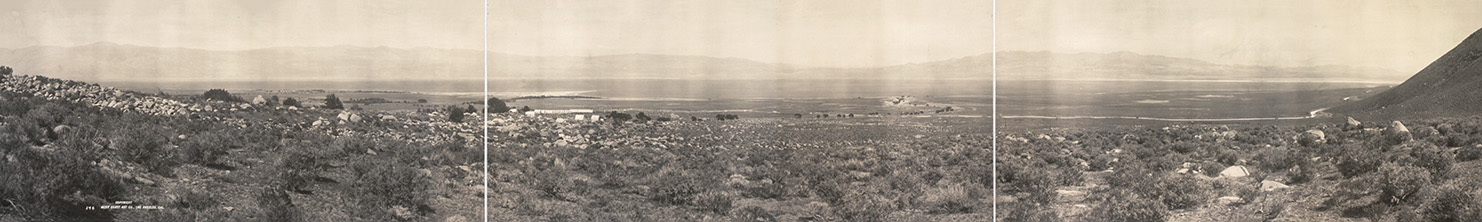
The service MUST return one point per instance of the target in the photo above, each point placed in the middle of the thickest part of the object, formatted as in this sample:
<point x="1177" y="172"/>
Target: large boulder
<point x="1235" y="172"/>
<point x="1312" y="137"/>
<point x="1397" y="132"/>
<point x="1353" y="123"/>
<point x="259" y="100"/>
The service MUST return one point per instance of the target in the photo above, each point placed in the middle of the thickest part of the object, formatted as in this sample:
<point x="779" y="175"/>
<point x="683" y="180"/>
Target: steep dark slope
<point x="1450" y="86"/>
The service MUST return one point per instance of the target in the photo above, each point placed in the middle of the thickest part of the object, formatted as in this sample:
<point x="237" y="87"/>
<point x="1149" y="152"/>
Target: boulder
<point x="388" y="117"/>
<point x="1267" y="185"/>
<point x="1398" y="132"/>
<point x="259" y="100"/>
<point x="1235" y="172"/>
<point x="1312" y="137"/>
<point x="1353" y="123"/>
<point x="355" y="118"/>
<point x="343" y="116"/>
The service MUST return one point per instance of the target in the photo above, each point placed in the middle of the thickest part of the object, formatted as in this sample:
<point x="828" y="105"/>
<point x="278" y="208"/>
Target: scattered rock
<point x="1235" y="172"/>
<point x="1228" y="200"/>
<point x="1267" y="185"/>
<point x="919" y="136"/>
<point x="143" y="180"/>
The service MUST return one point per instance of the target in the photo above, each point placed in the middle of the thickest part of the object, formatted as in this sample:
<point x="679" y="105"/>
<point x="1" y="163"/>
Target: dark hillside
<point x="1448" y="87"/>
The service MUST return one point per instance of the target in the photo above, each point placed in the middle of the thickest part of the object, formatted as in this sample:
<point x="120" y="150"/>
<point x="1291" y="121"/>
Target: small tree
<point x="5" y="70"/>
<point x="291" y="102"/>
<point x="273" y="101"/>
<point x="642" y="117"/>
<point x="497" y="106"/>
<point x="470" y="109"/>
<point x="221" y="95"/>
<point x="526" y="109"/>
<point x="332" y="102"/>
<point x="455" y="114"/>
<point x="421" y="100"/>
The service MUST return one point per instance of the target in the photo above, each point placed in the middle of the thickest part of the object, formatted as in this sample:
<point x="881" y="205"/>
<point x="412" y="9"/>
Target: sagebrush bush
<point x="43" y="184"/>
<point x="145" y="145"/>
<point x="1432" y="158"/>
<point x="1357" y="160"/>
<point x="1123" y="206"/>
<point x="950" y="199"/>
<point x="1468" y="153"/>
<point x="1399" y="183"/>
<point x="1451" y="202"/>
<point x="382" y="184"/>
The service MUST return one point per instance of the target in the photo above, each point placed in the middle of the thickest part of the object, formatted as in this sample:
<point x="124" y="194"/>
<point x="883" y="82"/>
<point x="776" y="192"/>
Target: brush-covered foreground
<point x="749" y="169"/>
<point x="68" y="146"/>
<point x="1423" y="170"/>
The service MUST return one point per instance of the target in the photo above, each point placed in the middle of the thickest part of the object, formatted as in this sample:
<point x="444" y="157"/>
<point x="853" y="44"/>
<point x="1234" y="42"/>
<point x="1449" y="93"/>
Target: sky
<point x="1403" y="36"/>
<point x="817" y="33"/>
<point x="238" y="25"/>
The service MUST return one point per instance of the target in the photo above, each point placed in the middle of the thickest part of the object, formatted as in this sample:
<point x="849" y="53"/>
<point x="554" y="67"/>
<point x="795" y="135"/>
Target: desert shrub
<point x="145" y="145"/>
<point x="1211" y="168"/>
<point x="1179" y="192"/>
<point x="455" y="114"/>
<point x="1451" y="202"/>
<point x="1357" y="160"/>
<point x="642" y="117"/>
<point x="752" y="213"/>
<point x="1468" y="153"/>
<point x="221" y="95"/>
<point x="1123" y="206"/>
<point x="290" y="101"/>
<point x="204" y="148"/>
<point x="1432" y="158"/>
<point x="1184" y="147"/>
<point x="382" y="184"/>
<point x="1040" y="184"/>
<point x="1273" y="159"/>
<point x="1400" y="183"/>
<point x="619" y="117"/>
<point x="864" y="205"/>
<point x="333" y="102"/>
<point x="276" y="205"/>
<point x="42" y="184"/>
<point x="715" y="202"/>
<point x="1027" y="213"/>
<point x="1174" y="191"/>
<point x="950" y="199"/>
<point x="497" y="106"/>
<point x="1099" y="162"/>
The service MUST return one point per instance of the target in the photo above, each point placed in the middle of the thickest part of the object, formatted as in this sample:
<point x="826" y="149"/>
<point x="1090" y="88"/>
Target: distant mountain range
<point x="1127" y="65"/>
<point x="107" y="61"/>
<point x="1450" y="86"/>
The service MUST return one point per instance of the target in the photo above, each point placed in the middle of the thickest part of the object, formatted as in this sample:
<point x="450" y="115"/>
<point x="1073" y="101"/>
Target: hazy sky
<point x="803" y="32"/>
<point x="239" y="24"/>
<point x="1401" y="35"/>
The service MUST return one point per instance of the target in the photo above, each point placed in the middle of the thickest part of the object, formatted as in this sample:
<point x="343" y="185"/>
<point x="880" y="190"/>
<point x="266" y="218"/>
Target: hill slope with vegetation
<point x="1447" y="87"/>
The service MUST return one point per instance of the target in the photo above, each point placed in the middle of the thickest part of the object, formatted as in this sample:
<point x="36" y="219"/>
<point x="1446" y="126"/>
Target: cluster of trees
<point x="726" y="116"/>
<point x="851" y="115"/>
<point x="5" y="70"/>
<point x="331" y="102"/>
